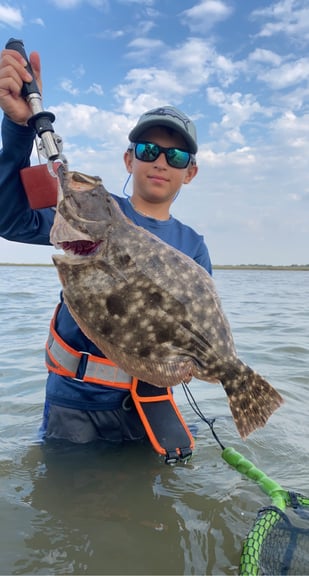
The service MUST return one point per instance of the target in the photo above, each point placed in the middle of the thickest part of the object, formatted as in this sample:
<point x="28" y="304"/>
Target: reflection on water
<point x="96" y="510"/>
<point x="105" y="510"/>
<point x="100" y="505"/>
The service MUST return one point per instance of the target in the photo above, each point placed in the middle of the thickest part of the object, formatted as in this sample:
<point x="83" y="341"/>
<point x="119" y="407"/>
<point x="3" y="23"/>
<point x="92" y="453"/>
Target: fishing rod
<point x="41" y="120"/>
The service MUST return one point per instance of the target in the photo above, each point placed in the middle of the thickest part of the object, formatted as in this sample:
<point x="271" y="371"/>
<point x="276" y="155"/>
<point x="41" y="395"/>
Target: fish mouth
<point x="80" y="247"/>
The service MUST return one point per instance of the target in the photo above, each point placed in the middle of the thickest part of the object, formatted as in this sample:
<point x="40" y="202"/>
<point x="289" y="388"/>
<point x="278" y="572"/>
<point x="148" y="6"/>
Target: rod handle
<point x="278" y="495"/>
<point x="28" y="87"/>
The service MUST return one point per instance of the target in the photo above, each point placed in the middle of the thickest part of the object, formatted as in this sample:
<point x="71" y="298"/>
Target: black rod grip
<point x="28" y="87"/>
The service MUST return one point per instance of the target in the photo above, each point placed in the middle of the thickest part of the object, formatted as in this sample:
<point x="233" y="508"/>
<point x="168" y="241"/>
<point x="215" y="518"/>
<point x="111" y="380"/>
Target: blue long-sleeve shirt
<point x="19" y="223"/>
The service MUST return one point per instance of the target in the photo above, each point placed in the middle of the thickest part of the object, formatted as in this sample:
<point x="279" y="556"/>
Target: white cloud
<point x="90" y="121"/>
<point x="204" y="15"/>
<point x="95" y="89"/>
<point x="240" y="156"/>
<point x="71" y="4"/>
<point x="238" y="111"/>
<point x="289" y="17"/>
<point x="265" y="57"/>
<point x="193" y="59"/>
<point x="67" y="86"/>
<point x="142" y="2"/>
<point x="110" y="34"/>
<point x="294" y="128"/>
<point x="79" y="71"/>
<point x="139" y="103"/>
<point x="294" y="99"/>
<point x="140" y="48"/>
<point x="151" y="85"/>
<point x="39" y="22"/>
<point x="289" y="74"/>
<point x="66" y="4"/>
<point x="11" y="16"/>
<point x="146" y="43"/>
<point x="185" y="70"/>
<point x="196" y="61"/>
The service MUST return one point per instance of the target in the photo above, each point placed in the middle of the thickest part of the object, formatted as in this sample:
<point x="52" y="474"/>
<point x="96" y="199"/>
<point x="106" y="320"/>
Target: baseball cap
<point x="170" y="117"/>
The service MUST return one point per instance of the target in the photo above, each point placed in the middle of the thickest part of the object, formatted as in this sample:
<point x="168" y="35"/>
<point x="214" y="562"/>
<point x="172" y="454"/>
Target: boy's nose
<point x="161" y="161"/>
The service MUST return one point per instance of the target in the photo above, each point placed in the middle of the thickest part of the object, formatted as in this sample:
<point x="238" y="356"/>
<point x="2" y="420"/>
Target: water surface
<point x="101" y="510"/>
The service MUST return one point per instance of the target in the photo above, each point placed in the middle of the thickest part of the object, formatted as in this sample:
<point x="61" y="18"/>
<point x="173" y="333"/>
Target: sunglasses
<point x="149" y="152"/>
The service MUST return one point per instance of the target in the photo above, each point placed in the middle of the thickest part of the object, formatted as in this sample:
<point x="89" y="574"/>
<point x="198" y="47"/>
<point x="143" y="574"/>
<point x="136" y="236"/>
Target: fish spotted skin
<point x="147" y="306"/>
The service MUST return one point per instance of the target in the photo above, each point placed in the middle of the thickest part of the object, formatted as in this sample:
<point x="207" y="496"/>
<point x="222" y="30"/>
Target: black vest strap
<point x="164" y="424"/>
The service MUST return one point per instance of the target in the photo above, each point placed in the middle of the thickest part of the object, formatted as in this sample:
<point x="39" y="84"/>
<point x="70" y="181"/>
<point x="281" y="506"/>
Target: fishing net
<point x="278" y="543"/>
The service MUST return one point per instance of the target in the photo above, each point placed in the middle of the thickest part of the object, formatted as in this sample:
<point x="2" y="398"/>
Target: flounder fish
<point x="148" y="307"/>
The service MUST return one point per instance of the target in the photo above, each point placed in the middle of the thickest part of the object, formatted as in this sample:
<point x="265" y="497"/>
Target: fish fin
<point x="252" y="400"/>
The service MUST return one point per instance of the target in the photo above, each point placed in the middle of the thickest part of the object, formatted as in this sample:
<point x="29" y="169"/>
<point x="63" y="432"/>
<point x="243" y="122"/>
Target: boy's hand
<point x="12" y="75"/>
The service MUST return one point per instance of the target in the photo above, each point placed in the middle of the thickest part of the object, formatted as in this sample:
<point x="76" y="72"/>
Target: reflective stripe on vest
<point x="64" y="360"/>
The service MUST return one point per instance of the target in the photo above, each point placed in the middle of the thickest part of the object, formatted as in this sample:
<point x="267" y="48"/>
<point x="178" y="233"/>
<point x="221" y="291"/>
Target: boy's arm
<point x="18" y="222"/>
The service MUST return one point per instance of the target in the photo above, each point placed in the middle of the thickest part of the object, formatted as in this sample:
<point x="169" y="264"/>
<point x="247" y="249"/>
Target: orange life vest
<point x="161" y="418"/>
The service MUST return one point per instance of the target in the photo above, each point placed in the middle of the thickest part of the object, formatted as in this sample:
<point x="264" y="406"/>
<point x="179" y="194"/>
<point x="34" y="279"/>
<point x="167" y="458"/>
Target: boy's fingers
<point x="36" y="66"/>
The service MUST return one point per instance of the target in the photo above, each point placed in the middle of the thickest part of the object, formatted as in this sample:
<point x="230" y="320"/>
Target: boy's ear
<point x="192" y="171"/>
<point x="128" y="158"/>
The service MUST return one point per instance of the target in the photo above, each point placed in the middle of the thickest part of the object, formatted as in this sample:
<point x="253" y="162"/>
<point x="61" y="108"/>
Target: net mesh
<point x="278" y="543"/>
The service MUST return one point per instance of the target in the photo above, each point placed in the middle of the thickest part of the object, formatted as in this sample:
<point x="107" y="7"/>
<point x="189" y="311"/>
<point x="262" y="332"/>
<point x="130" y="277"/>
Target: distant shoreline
<point x="292" y="267"/>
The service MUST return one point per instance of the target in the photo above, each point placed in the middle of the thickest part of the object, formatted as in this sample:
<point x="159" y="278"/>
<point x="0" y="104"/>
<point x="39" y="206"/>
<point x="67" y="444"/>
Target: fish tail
<point x="252" y="400"/>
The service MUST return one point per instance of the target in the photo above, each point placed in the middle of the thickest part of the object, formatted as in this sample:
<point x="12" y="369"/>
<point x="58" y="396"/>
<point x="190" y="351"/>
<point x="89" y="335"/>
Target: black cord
<point x="195" y="407"/>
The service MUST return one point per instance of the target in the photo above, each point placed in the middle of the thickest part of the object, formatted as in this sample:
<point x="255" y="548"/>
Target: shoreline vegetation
<point x="292" y="267"/>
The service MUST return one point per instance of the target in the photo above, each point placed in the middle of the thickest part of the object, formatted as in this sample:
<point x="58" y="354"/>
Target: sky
<point x="238" y="68"/>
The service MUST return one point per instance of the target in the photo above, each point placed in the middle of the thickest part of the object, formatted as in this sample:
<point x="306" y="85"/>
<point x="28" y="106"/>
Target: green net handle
<point x="278" y="495"/>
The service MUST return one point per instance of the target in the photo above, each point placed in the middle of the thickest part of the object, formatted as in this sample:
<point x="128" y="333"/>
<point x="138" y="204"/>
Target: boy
<point x="160" y="158"/>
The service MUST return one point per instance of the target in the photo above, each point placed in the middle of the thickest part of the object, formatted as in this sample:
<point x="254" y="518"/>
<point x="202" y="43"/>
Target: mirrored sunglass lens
<point x="147" y="152"/>
<point x="178" y="158"/>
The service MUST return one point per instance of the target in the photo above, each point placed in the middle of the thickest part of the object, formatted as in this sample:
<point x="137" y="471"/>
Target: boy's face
<point x="157" y="182"/>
